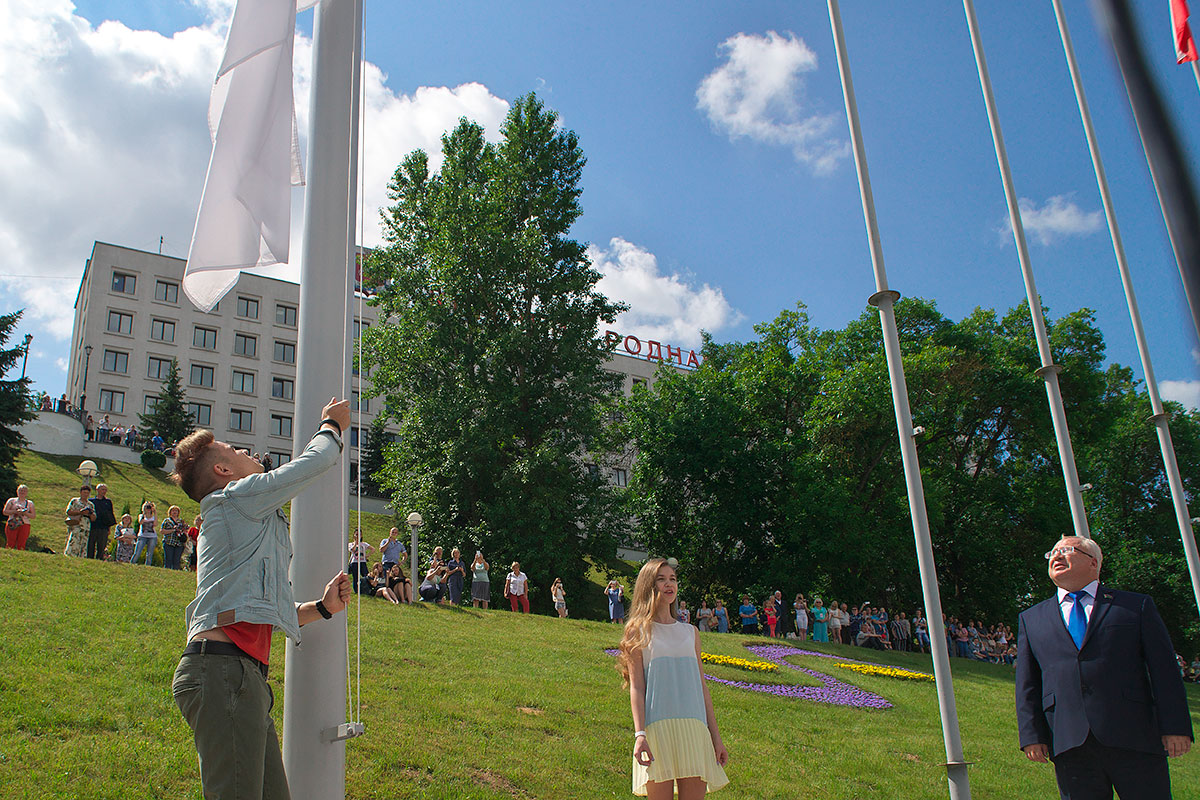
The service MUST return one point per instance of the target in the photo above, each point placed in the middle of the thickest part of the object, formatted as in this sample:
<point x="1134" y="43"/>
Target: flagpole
<point x="1048" y="370"/>
<point x="314" y="705"/>
<point x="884" y="299"/>
<point x="1196" y="73"/>
<point x="1160" y="418"/>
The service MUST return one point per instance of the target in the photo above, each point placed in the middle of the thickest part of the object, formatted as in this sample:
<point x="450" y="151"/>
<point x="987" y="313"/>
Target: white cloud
<point x="758" y="93"/>
<point x="1057" y="218"/>
<point x="62" y="365"/>
<point x="1186" y="393"/>
<point x="665" y="308"/>
<point x="103" y="135"/>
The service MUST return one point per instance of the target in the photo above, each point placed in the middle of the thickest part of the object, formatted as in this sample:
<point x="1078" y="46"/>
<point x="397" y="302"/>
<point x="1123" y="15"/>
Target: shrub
<point x="153" y="459"/>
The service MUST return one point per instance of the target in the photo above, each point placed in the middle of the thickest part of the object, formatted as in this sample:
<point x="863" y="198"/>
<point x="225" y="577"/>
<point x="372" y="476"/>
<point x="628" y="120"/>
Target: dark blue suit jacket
<point x="1123" y="684"/>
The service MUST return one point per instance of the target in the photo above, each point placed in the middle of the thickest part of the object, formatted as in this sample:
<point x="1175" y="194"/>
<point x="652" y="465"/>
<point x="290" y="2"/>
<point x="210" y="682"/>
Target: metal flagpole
<point x="1049" y="370"/>
<point x="1160" y="417"/>
<point x="884" y="299"/>
<point x="314" y="710"/>
<point x="1196" y="72"/>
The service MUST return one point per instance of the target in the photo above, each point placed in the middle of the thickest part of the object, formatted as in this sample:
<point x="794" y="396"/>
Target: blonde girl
<point x="126" y="539"/>
<point x="677" y="747"/>
<point x="559" y="595"/>
<point x="147" y="537"/>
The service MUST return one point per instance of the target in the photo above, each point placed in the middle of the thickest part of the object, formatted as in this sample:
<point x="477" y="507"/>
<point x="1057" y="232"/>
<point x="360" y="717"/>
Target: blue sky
<point x="718" y="190"/>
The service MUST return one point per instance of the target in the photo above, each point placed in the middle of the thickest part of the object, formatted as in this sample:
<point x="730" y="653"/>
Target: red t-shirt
<point x="253" y="639"/>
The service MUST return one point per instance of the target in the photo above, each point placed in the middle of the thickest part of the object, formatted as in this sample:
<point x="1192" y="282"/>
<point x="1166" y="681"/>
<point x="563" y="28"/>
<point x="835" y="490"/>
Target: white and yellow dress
<point x="676" y="722"/>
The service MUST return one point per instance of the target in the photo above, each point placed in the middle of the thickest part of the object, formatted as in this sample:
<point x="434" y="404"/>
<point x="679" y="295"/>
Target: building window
<point x="115" y="361"/>
<point x="620" y="477"/>
<point x="285" y="315"/>
<point x="359" y="405"/>
<point x="354" y="436"/>
<point x="166" y="291"/>
<point x="245" y="345"/>
<point x="202" y="376"/>
<point x="113" y="401"/>
<point x="162" y="330"/>
<point x="285" y="352"/>
<point x="243" y="382"/>
<point x="149" y="404"/>
<point x="640" y="382"/>
<point x="158" y="368"/>
<point x="281" y="425"/>
<point x="124" y="283"/>
<point x="279" y="459"/>
<point x="247" y="307"/>
<point x="240" y="419"/>
<point x="282" y="388"/>
<point x="205" y="338"/>
<point x="201" y="414"/>
<point x="359" y="327"/>
<point x="120" y="322"/>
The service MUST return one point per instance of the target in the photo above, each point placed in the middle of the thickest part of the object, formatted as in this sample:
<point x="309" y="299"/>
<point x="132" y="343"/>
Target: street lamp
<point x="414" y="521"/>
<point x="25" y="359"/>
<point x="87" y="351"/>
<point x="88" y="470"/>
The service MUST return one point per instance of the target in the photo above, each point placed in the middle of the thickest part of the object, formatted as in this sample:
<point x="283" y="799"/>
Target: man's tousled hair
<point x="193" y="462"/>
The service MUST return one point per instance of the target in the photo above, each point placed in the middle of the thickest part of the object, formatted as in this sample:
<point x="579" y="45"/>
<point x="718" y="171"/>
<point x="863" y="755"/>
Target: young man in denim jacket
<point x="242" y="595"/>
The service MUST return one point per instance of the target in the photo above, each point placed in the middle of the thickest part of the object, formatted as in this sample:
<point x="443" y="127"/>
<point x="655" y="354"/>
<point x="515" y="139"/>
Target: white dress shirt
<point x="1066" y="604"/>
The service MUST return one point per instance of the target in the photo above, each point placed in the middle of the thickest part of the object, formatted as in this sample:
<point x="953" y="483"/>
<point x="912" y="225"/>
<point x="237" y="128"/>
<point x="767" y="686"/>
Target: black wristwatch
<point x="323" y="611"/>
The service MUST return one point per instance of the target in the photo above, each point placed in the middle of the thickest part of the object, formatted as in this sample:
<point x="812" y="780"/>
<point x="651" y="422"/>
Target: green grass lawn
<point x="460" y="704"/>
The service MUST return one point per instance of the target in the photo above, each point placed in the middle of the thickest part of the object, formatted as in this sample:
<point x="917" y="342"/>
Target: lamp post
<point x="87" y="360"/>
<point x="25" y="358"/>
<point x="88" y="470"/>
<point x="414" y="521"/>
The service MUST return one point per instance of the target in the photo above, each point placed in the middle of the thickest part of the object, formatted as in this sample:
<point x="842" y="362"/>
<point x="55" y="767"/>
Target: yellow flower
<point x="740" y="663"/>
<point x="889" y="672"/>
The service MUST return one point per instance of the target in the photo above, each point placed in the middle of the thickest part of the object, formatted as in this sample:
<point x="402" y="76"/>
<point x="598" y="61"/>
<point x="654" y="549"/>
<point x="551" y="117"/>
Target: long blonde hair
<point x="640" y="621"/>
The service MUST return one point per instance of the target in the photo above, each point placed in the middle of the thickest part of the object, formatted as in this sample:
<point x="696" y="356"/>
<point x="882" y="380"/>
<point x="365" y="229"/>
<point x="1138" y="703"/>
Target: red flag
<point x="1185" y="45"/>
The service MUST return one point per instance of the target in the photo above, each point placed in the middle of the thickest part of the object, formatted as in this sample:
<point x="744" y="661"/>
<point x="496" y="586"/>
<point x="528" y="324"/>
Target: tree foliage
<point x="490" y="359"/>
<point x="169" y="416"/>
<point x="15" y="407"/>
<point x="776" y="464"/>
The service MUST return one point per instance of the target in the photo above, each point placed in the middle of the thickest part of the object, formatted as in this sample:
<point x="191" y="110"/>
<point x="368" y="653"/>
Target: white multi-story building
<point x="237" y="364"/>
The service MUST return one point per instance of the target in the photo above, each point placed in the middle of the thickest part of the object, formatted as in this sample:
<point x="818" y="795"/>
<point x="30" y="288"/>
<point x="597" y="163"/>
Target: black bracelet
<point x="323" y="611"/>
<point x="333" y="423"/>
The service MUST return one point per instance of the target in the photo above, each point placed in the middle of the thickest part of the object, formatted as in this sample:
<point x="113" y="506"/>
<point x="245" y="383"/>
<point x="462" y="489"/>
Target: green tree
<point x="372" y="463"/>
<point x="15" y="406"/>
<point x="170" y="415"/>
<point x="491" y="361"/>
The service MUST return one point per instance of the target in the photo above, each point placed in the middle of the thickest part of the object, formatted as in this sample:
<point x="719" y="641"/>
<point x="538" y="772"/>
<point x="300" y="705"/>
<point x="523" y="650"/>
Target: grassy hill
<point x="460" y="704"/>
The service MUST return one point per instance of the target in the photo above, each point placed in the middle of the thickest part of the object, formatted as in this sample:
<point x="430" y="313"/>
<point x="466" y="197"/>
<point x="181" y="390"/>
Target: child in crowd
<point x="126" y="539"/>
<point x="189" y="549"/>
<point x="147" y="538"/>
<point x="772" y="617"/>
<point x="616" y="602"/>
<point x="399" y="584"/>
<point x="677" y="746"/>
<point x="559" y="595"/>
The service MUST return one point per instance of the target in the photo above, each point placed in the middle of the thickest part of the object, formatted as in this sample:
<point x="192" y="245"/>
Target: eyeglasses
<point x="1066" y="550"/>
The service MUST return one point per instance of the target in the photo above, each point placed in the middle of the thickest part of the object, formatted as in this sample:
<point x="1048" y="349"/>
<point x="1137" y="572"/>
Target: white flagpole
<point x="1160" y="418"/>
<point x="314" y="706"/>
<point x="1196" y="72"/>
<point x="1049" y="370"/>
<point x="884" y="299"/>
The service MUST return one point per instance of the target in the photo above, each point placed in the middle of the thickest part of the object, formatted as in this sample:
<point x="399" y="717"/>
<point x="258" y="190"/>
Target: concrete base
<point x="56" y="434"/>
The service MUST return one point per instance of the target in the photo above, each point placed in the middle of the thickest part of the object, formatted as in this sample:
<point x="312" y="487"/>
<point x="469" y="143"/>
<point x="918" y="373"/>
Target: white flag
<point x="245" y="212"/>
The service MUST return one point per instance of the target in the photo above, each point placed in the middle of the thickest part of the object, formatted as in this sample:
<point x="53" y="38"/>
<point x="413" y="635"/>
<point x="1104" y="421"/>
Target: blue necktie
<point x="1077" y="624"/>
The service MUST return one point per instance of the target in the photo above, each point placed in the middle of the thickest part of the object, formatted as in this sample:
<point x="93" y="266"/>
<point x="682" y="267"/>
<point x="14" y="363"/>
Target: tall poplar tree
<point x="492" y="362"/>
<point x="14" y="406"/>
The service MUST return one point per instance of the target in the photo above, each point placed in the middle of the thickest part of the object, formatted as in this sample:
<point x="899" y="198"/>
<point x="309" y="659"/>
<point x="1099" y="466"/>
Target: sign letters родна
<point x="654" y="350"/>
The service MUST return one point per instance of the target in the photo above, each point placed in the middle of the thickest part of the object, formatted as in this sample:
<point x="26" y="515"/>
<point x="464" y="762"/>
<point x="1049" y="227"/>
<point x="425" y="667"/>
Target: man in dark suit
<point x="1098" y="690"/>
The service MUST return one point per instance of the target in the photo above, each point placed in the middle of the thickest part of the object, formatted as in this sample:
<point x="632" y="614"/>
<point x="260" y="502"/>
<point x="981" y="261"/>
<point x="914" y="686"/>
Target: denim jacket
<point x="245" y="549"/>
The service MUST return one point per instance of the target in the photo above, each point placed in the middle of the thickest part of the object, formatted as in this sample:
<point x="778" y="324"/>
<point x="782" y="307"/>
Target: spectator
<point x="130" y="436"/>
<point x="456" y="574"/>
<point x="481" y="584"/>
<point x="62" y="404"/>
<point x="749" y="615"/>
<point x="800" y="607"/>
<point x="88" y="428"/>
<point x="854" y="626"/>
<point x="147" y="538"/>
<point x="126" y="539"/>
<point x="174" y="531"/>
<point x="684" y="615"/>
<point x="436" y="560"/>
<point x="358" y="558"/>
<point x="962" y="641"/>
<point x="515" y="589"/>
<point x="18" y="512"/>
<point x="101" y="528"/>
<point x="399" y="584"/>
<point x="835" y="623"/>
<point x="781" y="615"/>
<point x="78" y="510"/>
<point x="193" y="539"/>
<point x="921" y="632"/>
<point x="432" y="590"/>
<point x="868" y="635"/>
<point x="102" y="430"/>
<point x="616" y="602"/>
<point x="721" y="615"/>
<point x="704" y="617"/>
<point x="772" y="617"/>
<point x="157" y="442"/>
<point x="376" y="584"/>
<point x="47" y="405"/>
<point x="391" y="549"/>
<point x="820" y="616"/>
<point x="559" y="596"/>
<point x="266" y="462"/>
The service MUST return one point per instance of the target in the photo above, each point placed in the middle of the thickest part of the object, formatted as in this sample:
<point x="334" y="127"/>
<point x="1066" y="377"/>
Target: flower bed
<point x="740" y="663"/>
<point x="887" y="672"/>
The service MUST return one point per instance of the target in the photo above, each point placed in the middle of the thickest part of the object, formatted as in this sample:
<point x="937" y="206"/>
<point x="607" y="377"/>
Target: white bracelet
<point x="636" y="734"/>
